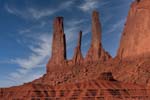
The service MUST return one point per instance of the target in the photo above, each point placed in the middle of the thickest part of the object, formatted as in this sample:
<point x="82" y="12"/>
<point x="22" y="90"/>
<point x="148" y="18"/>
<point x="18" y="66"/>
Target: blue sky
<point x="26" y="32"/>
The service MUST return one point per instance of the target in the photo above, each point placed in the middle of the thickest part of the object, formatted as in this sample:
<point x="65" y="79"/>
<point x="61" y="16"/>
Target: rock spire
<point x="58" y="43"/>
<point x="96" y="51"/>
<point x="78" y="58"/>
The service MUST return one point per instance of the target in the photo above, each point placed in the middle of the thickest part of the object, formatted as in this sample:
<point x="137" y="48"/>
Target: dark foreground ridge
<point x="98" y="76"/>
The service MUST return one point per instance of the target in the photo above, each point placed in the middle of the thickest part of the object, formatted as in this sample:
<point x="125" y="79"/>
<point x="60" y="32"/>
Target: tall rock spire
<point x="96" y="31"/>
<point x="96" y="51"/>
<point x="58" y="43"/>
<point x="78" y="58"/>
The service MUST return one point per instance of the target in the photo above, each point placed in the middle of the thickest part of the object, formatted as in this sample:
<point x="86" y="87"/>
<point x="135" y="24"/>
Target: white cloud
<point x="89" y="5"/>
<point x="24" y="31"/>
<point x="38" y="58"/>
<point x="73" y="28"/>
<point x="12" y="11"/>
<point x="115" y="26"/>
<point x="35" y="13"/>
<point x="38" y="55"/>
<point x="77" y="25"/>
<point x="66" y="4"/>
<point x="22" y="71"/>
<point x="17" y="78"/>
<point x="39" y="25"/>
<point x="30" y="13"/>
<point x="15" y="75"/>
<point x="75" y="22"/>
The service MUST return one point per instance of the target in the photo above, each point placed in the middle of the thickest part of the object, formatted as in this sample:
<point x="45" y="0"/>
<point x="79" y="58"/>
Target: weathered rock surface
<point x="58" y="44"/>
<point x="96" y="51"/>
<point x="135" y="71"/>
<point x="86" y="90"/>
<point x="106" y="76"/>
<point x="136" y="35"/>
<point x="134" y="50"/>
<point x="78" y="58"/>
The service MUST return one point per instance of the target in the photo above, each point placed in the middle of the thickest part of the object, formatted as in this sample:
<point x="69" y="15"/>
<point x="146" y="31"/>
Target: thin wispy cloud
<point x="39" y="25"/>
<point x="89" y="5"/>
<point x="38" y="55"/>
<point x="13" y="10"/>
<point x="37" y="59"/>
<point x="15" y="75"/>
<point x="75" y="22"/>
<point x="116" y="26"/>
<point x="29" y="13"/>
<point x="24" y="31"/>
<point x="22" y="71"/>
<point x="73" y="28"/>
<point x="17" y="78"/>
<point x="35" y="13"/>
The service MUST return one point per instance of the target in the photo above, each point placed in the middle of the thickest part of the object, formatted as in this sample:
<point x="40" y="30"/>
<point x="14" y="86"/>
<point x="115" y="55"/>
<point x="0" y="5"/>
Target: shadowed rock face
<point x="58" y="44"/>
<point x="96" y="51"/>
<point x="106" y="76"/>
<point x="136" y="35"/>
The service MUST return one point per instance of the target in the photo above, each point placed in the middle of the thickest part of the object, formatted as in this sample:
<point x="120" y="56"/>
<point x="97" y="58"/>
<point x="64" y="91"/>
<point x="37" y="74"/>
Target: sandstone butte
<point x="98" y="76"/>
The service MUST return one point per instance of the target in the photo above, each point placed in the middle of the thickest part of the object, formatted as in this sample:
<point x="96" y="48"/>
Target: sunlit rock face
<point x="136" y="35"/>
<point x="58" y="44"/>
<point x="96" y="51"/>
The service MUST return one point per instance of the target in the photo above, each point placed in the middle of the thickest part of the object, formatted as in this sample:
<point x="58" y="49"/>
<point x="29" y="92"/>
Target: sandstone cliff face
<point x="96" y="51"/>
<point x="136" y="35"/>
<point x="58" y="44"/>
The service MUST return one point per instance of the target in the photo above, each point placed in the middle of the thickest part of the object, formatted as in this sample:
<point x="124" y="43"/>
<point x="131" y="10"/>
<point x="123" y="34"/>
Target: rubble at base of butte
<point x="124" y="77"/>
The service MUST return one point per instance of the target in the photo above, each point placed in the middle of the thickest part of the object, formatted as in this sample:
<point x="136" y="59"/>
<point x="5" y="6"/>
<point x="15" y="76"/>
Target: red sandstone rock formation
<point x="78" y="58"/>
<point x="134" y="50"/>
<point x="58" y="44"/>
<point x="106" y="76"/>
<point x="86" y="90"/>
<point x="96" y="51"/>
<point x="94" y="80"/>
<point x="136" y="35"/>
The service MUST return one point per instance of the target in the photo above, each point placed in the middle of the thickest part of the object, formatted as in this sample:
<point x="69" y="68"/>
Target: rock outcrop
<point x="106" y="76"/>
<point x="58" y="56"/>
<point x="96" y="51"/>
<point x="136" y="35"/>
<point x="78" y="58"/>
